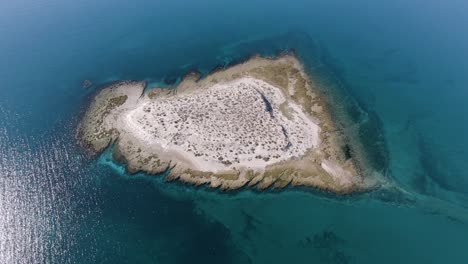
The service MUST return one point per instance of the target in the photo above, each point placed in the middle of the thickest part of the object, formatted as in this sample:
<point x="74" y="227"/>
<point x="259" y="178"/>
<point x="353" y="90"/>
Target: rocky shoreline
<point x="261" y="123"/>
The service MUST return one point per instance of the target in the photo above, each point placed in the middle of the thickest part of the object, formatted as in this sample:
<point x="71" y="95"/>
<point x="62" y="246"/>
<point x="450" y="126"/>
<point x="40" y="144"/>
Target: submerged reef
<point x="261" y="123"/>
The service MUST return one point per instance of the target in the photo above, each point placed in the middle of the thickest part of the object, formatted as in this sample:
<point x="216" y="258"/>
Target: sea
<point x="399" y="66"/>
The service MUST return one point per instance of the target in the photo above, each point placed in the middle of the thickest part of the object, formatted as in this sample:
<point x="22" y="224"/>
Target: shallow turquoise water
<point x="402" y="63"/>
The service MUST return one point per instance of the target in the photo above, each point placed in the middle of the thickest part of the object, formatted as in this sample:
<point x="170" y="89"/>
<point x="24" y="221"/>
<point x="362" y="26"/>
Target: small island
<point x="261" y="123"/>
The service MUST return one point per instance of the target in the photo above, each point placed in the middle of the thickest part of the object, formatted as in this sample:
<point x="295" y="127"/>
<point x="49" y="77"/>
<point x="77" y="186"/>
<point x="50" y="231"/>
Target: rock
<point x="249" y="125"/>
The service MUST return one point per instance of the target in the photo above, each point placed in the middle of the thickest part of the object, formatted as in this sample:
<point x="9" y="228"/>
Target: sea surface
<point x="400" y="65"/>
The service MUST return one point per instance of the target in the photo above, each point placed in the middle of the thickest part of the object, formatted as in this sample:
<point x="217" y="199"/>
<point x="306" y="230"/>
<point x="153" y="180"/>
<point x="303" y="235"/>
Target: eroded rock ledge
<point x="261" y="123"/>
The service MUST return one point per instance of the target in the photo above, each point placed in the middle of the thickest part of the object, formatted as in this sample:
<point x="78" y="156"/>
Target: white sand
<point x="223" y="127"/>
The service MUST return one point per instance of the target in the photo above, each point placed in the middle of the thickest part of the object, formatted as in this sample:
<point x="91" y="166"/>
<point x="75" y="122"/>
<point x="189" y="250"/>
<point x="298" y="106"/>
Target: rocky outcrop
<point x="261" y="123"/>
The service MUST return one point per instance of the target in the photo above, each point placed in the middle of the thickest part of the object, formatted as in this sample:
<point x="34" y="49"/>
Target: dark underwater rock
<point x="87" y="84"/>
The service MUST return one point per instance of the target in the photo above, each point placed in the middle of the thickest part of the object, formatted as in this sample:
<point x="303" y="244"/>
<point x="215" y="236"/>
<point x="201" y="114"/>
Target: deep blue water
<point x="399" y="67"/>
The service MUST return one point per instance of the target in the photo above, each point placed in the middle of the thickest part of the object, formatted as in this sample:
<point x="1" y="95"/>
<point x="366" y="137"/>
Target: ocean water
<point x="399" y="67"/>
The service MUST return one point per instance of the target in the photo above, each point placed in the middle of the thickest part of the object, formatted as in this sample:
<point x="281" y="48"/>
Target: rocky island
<point x="261" y="123"/>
